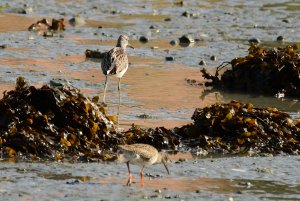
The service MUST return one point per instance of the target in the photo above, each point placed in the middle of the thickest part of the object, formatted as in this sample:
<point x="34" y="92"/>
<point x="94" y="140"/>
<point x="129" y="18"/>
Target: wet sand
<point x="237" y="178"/>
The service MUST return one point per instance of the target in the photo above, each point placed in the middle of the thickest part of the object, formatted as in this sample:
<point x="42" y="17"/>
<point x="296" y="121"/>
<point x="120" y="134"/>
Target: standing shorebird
<point x="142" y="155"/>
<point x="115" y="63"/>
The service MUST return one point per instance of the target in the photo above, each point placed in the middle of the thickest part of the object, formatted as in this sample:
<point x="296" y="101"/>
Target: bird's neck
<point x="121" y="45"/>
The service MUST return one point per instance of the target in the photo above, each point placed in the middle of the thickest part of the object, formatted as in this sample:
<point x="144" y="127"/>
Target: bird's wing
<point x="145" y="151"/>
<point x="108" y="62"/>
<point x="113" y="61"/>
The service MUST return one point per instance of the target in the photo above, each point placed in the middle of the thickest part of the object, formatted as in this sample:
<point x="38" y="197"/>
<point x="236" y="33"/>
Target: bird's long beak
<point x="166" y="167"/>
<point x="130" y="46"/>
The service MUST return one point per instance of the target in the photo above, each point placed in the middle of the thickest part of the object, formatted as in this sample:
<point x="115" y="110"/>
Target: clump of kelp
<point x="44" y="28"/>
<point x="266" y="71"/>
<point x="94" y="54"/>
<point x="241" y="128"/>
<point x="53" y="122"/>
<point x="57" y="122"/>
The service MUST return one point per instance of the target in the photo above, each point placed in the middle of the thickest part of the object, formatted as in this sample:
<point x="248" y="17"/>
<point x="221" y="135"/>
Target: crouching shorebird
<point x="142" y="155"/>
<point x="115" y="63"/>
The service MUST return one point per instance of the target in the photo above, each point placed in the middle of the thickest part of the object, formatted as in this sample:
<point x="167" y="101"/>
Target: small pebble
<point x="156" y="196"/>
<point x="279" y="38"/>
<point x="144" y="39"/>
<point x="76" y="181"/>
<point x="168" y="196"/>
<point x="170" y="58"/>
<point x="76" y="21"/>
<point x="174" y="42"/>
<point x="286" y="20"/>
<point x="186" y="14"/>
<point x="189" y="14"/>
<point x="3" y="46"/>
<point x="186" y="39"/>
<point x="179" y="3"/>
<point x="213" y="58"/>
<point x="157" y="191"/>
<point x="248" y="184"/>
<point x="202" y="63"/>
<point x="167" y="19"/>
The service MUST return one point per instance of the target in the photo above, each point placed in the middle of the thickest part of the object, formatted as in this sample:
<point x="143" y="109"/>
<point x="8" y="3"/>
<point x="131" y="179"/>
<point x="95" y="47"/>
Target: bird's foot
<point x="129" y="182"/>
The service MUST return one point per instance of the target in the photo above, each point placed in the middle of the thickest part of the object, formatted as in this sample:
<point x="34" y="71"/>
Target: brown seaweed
<point x="43" y="27"/>
<point x="59" y="123"/>
<point x="264" y="71"/>
<point x="241" y="128"/>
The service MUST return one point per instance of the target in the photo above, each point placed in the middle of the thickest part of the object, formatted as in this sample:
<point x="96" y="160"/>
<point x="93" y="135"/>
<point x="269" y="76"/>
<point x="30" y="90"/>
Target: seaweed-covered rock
<point x="266" y="71"/>
<point x="159" y="137"/>
<point x="53" y="122"/>
<point x="58" y="122"/>
<point x="94" y="54"/>
<point x="43" y="27"/>
<point x="238" y="128"/>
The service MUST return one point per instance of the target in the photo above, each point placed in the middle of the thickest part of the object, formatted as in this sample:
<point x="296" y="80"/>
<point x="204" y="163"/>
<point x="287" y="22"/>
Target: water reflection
<point x="283" y="104"/>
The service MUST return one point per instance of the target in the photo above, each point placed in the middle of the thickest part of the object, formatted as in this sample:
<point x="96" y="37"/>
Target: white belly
<point x="121" y="73"/>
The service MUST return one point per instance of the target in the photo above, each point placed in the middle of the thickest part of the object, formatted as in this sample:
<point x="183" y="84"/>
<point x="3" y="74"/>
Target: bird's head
<point x="123" y="41"/>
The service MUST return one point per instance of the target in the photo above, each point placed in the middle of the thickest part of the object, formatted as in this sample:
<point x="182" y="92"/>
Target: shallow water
<point x="240" y="178"/>
<point x="151" y="86"/>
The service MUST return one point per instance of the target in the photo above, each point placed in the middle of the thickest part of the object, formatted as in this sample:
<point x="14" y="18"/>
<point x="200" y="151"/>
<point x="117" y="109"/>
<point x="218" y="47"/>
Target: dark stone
<point x="170" y="58"/>
<point x="186" y="39"/>
<point x="202" y="63"/>
<point x="280" y="38"/>
<point x="174" y="42"/>
<point x="213" y="58"/>
<point x="144" y="39"/>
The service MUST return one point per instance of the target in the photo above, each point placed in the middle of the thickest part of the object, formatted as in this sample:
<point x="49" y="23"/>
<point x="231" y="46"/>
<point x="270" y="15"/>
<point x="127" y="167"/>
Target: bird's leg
<point x="119" y="89"/>
<point x="142" y="176"/>
<point x="105" y="87"/>
<point x="130" y="176"/>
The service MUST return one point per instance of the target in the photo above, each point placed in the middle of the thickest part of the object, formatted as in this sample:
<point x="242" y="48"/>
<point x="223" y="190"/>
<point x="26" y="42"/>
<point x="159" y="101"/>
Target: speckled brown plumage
<point x="115" y="63"/>
<point x="141" y="154"/>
